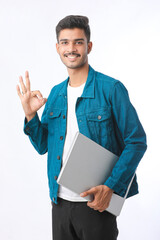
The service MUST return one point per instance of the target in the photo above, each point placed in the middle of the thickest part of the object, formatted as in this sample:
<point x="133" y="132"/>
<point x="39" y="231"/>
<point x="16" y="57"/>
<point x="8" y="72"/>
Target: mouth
<point x="72" y="56"/>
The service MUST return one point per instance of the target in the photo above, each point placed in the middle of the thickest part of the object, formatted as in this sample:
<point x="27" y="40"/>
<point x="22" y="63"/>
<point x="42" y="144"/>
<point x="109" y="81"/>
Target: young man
<point x="99" y="107"/>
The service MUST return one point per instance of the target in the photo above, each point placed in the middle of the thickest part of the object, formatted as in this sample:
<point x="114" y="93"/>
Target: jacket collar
<point x="88" y="91"/>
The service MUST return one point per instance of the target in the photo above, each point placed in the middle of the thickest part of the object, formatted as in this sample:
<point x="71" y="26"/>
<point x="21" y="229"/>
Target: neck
<point x="78" y="76"/>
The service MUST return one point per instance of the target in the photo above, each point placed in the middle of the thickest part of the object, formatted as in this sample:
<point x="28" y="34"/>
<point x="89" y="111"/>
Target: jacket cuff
<point x="119" y="187"/>
<point x="29" y="126"/>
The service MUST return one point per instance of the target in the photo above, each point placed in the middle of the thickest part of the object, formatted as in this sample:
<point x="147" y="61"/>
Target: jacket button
<point x="51" y="113"/>
<point x="64" y="116"/>
<point x="55" y="177"/>
<point x="58" y="157"/>
<point x="61" y="137"/>
<point x="99" y="117"/>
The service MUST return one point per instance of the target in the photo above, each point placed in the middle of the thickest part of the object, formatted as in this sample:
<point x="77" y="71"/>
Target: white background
<point x="126" y="46"/>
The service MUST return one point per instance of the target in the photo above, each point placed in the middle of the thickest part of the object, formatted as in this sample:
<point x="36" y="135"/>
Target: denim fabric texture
<point x="105" y="115"/>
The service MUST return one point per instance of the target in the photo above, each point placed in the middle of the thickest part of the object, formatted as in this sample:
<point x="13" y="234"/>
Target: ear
<point x="57" y="47"/>
<point x="89" y="47"/>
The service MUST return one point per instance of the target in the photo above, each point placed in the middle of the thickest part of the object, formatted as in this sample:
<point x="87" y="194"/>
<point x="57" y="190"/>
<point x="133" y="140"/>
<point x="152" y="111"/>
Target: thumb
<point x="88" y="192"/>
<point x="43" y="101"/>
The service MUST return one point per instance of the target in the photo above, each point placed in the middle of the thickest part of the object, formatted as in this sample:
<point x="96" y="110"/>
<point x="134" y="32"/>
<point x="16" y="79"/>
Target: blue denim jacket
<point x="105" y="115"/>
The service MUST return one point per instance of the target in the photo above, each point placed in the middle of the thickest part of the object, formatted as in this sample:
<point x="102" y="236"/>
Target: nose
<point x="71" y="47"/>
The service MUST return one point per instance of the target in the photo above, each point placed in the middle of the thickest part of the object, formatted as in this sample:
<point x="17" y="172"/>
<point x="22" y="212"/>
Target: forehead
<point x="71" y="34"/>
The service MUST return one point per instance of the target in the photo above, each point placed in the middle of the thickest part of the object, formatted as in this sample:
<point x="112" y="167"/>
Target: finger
<point x="89" y="204"/>
<point x="44" y="100"/>
<point x="101" y="210"/>
<point x="27" y="81"/>
<point x="84" y="194"/>
<point x="92" y="204"/>
<point x="90" y="191"/>
<point x="18" y="91"/>
<point x="23" y="87"/>
<point x="93" y="207"/>
<point x="37" y="93"/>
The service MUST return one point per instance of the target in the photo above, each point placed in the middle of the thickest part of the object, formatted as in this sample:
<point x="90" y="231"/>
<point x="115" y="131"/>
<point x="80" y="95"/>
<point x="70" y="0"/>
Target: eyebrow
<point x="77" y="39"/>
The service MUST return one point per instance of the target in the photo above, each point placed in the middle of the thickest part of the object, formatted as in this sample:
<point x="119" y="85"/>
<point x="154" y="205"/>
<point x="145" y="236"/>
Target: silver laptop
<point x="87" y="165"/>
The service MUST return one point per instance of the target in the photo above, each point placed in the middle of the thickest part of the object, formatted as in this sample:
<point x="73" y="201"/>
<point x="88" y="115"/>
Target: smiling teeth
<point x="72" y="56"/>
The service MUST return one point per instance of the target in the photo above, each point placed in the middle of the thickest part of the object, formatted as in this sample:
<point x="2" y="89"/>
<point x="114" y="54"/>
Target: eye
<point x="79" y="43"/>
<point x="64" y="43"/>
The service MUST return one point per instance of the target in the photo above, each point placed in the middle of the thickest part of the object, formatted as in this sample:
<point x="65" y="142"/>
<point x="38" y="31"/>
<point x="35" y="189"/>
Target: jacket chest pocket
<point x="99" y="123"/>
<point x="54" y="120"/>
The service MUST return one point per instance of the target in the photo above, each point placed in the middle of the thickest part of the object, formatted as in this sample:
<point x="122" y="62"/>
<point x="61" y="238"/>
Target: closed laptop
<point x="87" y="165"/>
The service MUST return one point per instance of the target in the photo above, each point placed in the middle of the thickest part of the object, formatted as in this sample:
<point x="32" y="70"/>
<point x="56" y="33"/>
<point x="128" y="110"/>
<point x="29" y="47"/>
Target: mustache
<point x="72" y="53"/>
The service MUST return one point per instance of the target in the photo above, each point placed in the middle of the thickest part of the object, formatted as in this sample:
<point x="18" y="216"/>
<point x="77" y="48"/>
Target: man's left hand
<point x="101" y="197"/>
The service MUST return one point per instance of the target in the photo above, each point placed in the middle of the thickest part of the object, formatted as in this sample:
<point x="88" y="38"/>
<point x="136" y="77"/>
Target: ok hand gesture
<point x="31" y="101"/>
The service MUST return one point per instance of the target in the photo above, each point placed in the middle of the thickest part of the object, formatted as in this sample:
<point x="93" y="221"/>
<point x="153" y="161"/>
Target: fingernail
<point x="82" y="194"/>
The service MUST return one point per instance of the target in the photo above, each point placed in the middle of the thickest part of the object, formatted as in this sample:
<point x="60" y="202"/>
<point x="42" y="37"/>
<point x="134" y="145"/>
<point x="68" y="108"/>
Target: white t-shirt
<point x="72" y="127"/>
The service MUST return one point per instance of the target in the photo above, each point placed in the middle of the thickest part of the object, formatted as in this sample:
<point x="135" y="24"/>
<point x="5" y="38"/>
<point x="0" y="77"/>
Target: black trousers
<point x="77" y="221"/>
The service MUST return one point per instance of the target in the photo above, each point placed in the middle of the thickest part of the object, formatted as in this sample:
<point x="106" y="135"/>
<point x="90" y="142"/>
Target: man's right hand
<point x="31" y="101"/>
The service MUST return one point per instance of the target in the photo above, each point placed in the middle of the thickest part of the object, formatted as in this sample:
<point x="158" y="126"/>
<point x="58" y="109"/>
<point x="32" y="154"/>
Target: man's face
<point x="73" y="48"/>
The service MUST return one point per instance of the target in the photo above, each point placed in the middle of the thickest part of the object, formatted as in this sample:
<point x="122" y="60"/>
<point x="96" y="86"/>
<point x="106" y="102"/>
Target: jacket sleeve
<point x="38" y="131"/>
<point x="133" y="137"/>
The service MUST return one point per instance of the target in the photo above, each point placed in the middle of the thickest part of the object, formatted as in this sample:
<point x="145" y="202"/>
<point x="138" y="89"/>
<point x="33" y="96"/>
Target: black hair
<point x="74" y="21"/>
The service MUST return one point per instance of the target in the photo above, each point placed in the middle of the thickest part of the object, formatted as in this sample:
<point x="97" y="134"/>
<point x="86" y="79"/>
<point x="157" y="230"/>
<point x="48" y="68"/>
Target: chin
<point x="75" y="66"/>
